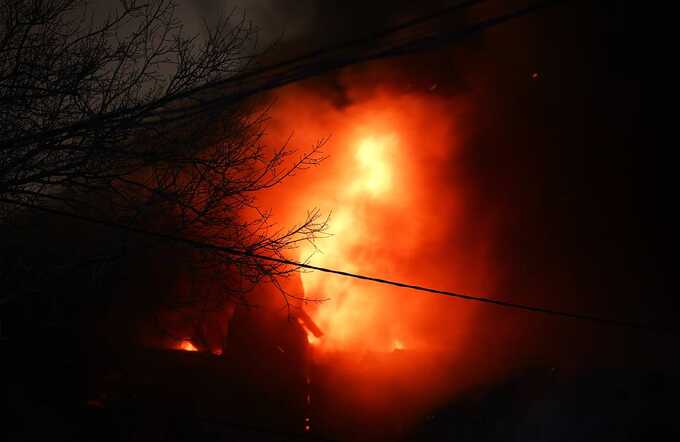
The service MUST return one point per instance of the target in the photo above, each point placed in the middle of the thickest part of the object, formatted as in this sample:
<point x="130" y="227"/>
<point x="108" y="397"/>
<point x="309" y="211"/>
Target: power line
<point x="360" y="42"/>
<point x="355" y="51"/>
<point x="247" y="84"/>
<point x="245" y="253"/>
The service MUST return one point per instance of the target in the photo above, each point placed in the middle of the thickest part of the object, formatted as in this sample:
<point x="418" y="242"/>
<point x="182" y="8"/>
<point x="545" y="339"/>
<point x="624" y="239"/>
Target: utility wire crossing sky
<point x="237" y="252"/>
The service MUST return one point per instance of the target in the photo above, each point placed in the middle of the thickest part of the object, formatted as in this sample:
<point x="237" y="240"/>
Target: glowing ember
<point x="186" y="345"/>
<point x="311" y="339"/>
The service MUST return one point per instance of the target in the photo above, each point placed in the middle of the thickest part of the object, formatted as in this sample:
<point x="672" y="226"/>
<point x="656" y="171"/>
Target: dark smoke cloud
<point x="298" y="26"/>
<point x="275" y="19"/>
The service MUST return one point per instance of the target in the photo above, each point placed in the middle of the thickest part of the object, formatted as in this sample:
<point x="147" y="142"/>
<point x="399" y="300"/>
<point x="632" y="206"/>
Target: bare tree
<point x="97" y="116"/>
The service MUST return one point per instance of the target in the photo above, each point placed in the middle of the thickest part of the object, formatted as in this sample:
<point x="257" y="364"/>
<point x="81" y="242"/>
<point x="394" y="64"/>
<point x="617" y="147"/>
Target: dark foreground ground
<point x="52" y="392"/>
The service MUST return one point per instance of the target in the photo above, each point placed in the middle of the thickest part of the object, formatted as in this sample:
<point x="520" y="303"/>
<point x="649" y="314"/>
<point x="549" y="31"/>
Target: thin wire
<point x="246" y="83"/>
<point x="298" y="71"/>
<point x="245" y="253"/>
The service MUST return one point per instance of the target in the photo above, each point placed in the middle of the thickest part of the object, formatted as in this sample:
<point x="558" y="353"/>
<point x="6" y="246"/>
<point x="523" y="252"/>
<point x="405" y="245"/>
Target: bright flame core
<point x="374" y="171"/>
<point x="395" y="213"/>
<point x="397" y="186"/>
<point x="371" y="176"/>
<point x="186" y="345"/>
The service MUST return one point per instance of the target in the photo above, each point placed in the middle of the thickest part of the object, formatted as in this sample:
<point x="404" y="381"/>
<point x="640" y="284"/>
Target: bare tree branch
<point x="82" y="127"/>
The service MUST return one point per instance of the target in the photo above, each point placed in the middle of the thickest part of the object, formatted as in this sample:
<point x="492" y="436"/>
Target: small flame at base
<point x="186" y="345"/>
<point x="312" y="340"/>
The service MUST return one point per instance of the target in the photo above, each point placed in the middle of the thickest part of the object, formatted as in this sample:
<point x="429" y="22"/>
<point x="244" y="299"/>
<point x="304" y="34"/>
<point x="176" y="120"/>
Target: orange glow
<point x="186" y="345"/>
<point x="396" y="188"/>
<point x="374" y="170"/>
<point x="391" y="216"/>
<point x="311" y="339"/>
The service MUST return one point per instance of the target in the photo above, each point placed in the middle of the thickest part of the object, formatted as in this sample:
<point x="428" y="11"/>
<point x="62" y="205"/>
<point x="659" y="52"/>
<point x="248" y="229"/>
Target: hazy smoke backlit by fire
<point x="397" y="209"/>
<point x="394" y="210"/>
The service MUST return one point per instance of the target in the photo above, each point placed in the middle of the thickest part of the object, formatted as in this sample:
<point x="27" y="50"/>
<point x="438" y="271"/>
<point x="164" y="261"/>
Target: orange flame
<point x="371" y="178"/>
<point x="186" y="345"/>
<point x="390" y="217"/>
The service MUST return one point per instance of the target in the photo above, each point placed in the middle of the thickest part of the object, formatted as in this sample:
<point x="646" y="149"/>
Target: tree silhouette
<point x="97" y="118"/>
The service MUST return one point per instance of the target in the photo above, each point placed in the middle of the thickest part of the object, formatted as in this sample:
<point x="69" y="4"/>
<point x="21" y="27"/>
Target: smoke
<point x="399" y="209"/>
<point x="461" y="170"/>
<point x="492" y="171"/>
<point x="276" y="21"/>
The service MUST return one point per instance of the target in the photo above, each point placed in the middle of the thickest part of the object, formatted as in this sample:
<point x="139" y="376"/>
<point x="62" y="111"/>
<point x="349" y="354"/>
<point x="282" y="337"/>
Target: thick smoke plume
<point x="399" y="210"/>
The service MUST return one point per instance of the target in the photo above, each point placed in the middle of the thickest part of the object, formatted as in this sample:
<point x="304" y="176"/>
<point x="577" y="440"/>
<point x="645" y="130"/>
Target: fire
<point x="311" y="339"/>
<point x="374" y="175"/>
<point x="395" y="185"/>
<point x="186" y="345"/>
<point x="396" y="213"/>
<point x="371" y="178"/>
